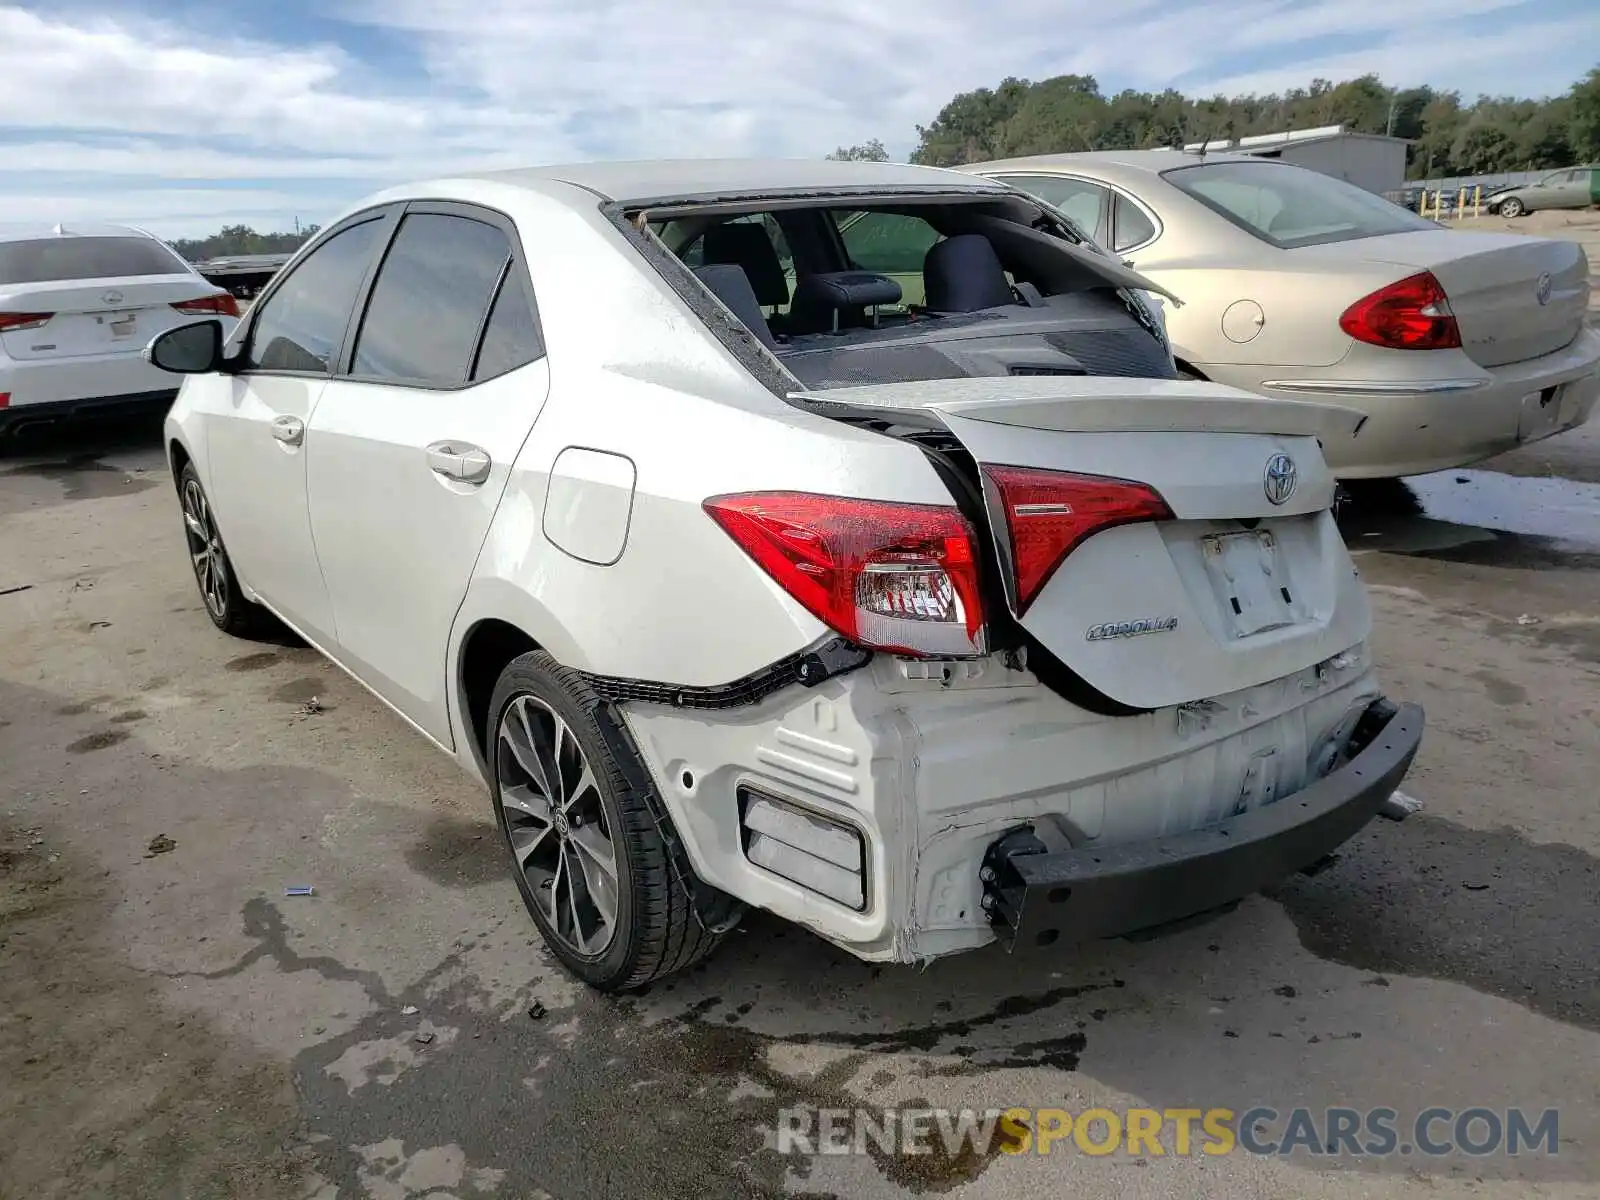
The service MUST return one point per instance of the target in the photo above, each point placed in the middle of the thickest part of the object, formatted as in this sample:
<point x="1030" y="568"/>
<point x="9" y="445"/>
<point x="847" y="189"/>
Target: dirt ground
<point x="173" y="1024"/>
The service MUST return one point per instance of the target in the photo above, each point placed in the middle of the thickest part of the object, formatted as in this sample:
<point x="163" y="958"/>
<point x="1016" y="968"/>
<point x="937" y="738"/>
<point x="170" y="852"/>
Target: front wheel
<point x="213" y="571"/>
<point x="591" y="846"/>
<point x="1511" y="207"/>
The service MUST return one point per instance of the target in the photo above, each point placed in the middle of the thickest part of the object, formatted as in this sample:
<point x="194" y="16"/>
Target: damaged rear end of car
<point x="1120" y="679"/>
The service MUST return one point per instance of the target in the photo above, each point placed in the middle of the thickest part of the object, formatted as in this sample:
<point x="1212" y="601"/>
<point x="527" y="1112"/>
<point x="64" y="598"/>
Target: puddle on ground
<point x="1479" y="516"/>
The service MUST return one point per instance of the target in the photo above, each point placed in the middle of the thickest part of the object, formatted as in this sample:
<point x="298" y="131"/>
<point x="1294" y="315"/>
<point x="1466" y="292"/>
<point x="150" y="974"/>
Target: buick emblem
<point x="112" y="297"/>
<point x="1543" y="288"/>
<point x="1280" y="478"/>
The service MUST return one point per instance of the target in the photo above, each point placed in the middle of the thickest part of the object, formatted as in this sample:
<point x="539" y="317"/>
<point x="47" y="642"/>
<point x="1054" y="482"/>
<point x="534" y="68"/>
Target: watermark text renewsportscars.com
<point x="1157" y="1132"/>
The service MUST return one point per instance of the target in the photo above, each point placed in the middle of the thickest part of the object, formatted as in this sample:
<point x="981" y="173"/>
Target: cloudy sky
<point x="187" y="114"/>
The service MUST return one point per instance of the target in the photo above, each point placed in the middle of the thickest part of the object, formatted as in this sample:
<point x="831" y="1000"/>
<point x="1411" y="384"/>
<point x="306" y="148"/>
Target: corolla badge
<point x="1280" y="478"/>
<point x="1128" y="629"/>
<point x="1543" y="289"/>
<point x="112" y="297"/>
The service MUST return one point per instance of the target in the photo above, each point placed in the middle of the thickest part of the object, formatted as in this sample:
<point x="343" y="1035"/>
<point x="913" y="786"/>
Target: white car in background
<point x="901" y="625"/>
<point x="78" y="304"/>
<point x="1457" y="346"/>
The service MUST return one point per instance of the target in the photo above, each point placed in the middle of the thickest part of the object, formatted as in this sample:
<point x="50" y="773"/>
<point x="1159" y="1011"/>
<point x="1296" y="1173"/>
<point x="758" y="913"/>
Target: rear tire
<point x="570" y="790"/>
<point x="213" y="570"/>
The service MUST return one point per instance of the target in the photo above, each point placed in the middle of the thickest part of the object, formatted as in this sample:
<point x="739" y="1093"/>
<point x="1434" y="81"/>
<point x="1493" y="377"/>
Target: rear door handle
<point x="459" y="461"/>
<point x="291" y="431"/>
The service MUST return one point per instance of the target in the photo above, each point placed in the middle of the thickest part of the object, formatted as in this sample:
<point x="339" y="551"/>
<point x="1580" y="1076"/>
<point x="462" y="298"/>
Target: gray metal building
<point x="1368" y="160"/>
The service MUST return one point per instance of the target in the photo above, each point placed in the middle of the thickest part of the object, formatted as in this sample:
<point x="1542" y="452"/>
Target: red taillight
<point x="1050" y="513"/>
<point x="5" y="399"/>
<point x="895" y="577"/>
<point x="1413" y="314"/>
<point x="223" y="304"/>
<point x="10" y="321"/>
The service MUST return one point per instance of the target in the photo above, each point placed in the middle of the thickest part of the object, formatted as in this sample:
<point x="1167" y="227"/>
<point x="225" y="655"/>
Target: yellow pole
<point x="1422" y="205"/>
<point x="1461" y="204"/>
<point x="1477" y="199"/>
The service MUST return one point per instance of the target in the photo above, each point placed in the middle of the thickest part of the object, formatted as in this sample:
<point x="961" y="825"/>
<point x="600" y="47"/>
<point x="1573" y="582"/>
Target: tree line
<point x="231" y="240"/>
<point x="1448" y="135"/>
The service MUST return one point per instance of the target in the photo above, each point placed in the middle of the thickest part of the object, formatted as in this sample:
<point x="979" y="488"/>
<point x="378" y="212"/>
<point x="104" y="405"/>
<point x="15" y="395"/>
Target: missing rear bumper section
<point x="1038" y="898"/>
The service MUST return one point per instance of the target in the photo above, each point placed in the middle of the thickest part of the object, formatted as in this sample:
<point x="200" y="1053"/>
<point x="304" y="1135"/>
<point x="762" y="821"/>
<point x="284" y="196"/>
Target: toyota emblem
<point x="1280" y="478"/>
<point x="112" y="297"/>
<point x="1543" y="288"/>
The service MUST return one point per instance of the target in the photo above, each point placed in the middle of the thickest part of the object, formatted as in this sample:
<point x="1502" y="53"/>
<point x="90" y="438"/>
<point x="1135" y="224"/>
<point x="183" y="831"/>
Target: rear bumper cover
<point x="52" y="411"/>
<point x="1037" y="898"/>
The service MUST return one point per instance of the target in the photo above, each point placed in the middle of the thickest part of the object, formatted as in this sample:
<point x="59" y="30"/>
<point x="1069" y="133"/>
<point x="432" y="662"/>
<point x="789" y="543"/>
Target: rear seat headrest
<point x="963" y="274"/>
<point x="745" y="245"/>
<point x="838" y="299"/>
<point x="731" y="285"/>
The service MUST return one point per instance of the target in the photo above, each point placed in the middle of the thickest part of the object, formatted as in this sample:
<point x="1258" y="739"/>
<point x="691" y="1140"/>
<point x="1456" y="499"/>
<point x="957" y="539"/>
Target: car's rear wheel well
<point x="177" y="458"/>
<point x="488" y="647"/>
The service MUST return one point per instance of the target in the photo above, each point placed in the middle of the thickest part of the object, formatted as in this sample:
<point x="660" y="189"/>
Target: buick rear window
<point x="1290" y="206"/>
<point x="47" y="260"/>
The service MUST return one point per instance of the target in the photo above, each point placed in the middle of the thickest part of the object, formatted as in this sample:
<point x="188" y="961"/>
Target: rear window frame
<point x="1406" y="221"/>
<point x="88" y="241"/>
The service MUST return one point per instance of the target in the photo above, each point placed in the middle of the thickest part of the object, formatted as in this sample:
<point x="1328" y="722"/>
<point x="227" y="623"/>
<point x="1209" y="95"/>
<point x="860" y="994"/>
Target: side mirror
<point x="193" y="349"/>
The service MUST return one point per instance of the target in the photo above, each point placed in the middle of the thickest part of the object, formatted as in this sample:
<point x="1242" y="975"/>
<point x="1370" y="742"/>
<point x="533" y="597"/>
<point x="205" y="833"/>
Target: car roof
<point x="27" y="231"/>
<point x="634" y="182"/>
<point x="1126" y="165"/>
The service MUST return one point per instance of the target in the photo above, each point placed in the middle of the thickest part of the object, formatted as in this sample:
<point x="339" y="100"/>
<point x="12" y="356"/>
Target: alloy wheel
<point x="205" y="549"/>
<point x="557" y="826"/>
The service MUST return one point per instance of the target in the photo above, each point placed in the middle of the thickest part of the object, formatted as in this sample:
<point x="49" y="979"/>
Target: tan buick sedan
<point x="1457" y="346"/>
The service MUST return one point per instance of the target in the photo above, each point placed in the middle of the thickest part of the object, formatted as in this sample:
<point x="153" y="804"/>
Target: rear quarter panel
<point x="635" y="373"/>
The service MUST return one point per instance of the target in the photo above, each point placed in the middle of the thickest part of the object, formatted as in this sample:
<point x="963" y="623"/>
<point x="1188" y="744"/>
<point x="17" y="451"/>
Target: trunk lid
<point x="1514" y="297"/>
<point x="96" y="317"/>
<point x="1232" y="592"/>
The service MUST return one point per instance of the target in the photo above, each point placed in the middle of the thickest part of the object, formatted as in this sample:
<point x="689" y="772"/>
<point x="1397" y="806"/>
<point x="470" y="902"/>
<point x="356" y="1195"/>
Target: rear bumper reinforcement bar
<point x="1035" y="897"/>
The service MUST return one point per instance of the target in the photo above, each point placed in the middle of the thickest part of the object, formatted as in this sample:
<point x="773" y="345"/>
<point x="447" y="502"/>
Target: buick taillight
<point x="895" y="577"/>
<point x="1049" y="514"/>
<point x="10" y="321"/>
<point x="1413" y="314"/>
<point x="222" y="304"/>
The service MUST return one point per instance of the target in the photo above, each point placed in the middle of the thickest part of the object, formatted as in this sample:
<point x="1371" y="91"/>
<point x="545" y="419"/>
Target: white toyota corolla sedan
<point x="77" y="305"/>
<point x="741" y="581"/>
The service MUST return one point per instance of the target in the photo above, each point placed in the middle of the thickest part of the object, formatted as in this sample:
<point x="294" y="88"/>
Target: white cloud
<point x="97" y="111"/>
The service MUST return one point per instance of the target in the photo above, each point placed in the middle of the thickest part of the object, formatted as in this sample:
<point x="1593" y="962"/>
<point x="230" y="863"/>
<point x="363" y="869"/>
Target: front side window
<point x="1080" y="200"/>
<point x="46" y="260"/>
<point x="302" y="322"/>
<point x="430" y="299"/>
<point x="1291" y="206"/>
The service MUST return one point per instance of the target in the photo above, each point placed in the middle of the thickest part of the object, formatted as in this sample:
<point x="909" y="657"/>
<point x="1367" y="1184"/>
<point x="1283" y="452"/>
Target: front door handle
<point x="459" y="461"/>
<point x="291" y="431"/>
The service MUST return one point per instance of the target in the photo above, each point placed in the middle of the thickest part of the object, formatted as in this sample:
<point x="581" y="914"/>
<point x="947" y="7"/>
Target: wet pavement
<point x="400" y="1034"/>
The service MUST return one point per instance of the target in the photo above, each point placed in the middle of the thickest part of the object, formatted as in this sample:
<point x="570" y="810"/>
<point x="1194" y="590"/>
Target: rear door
<point x="411" y="446"/>
<point x="1246" y="581"/>
<point x="255" y="438"/>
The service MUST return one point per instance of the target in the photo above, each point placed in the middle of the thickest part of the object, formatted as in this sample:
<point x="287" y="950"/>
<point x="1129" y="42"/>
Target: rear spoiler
<point x="1096" y="404"/>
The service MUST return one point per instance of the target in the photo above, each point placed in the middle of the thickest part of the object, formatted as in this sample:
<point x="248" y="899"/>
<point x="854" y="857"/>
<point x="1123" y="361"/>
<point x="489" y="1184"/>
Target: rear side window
<point x="1132" y="227"/>
<point x="430" y="299"/>
<point x="301" y="323"/>
<point x="511" y="338"/>
<point x="1077" y="198"/>
<point x="46" y="260"/>
<point x="1290" y="206"/>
